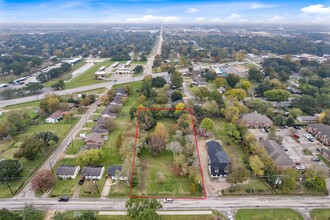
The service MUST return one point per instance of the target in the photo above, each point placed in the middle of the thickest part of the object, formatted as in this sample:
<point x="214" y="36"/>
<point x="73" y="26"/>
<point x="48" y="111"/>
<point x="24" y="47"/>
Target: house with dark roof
<point x="121" y="92"/>
<point x="55" y="117"/>
<point x="92" y="172"/>
<point x="67" y="171"/>
<point x="321" y="132"/>
<point x="114" y="172"/>
<point x="100" y="129"/>
<point x="218" y="159"/>
<point x="110" y="111"/>
<point x="94" y="140"/>
<point x="277" y="153"/>
<point x="117" y="101"/>
<point x="255" y="120"/>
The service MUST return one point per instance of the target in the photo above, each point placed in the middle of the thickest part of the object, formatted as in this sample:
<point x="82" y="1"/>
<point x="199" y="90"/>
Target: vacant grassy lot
<point x="265" y="214"/>
<point x="151" y="166"/>
<point x="120" y="189"/>
<point x="254" y="186"/>
<point x="87" y="78"/>
<point x="65" y="75"/>
<point x="32" y="104"/>
<point x="320" y="214"/>
<point x="64" y="187"/>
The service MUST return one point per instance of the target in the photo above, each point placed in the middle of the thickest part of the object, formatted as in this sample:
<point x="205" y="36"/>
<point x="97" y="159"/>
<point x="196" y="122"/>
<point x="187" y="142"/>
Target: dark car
<point x="316" y="159"/>
<point x="82" y="180"/>
<point x="297" y="127"/>
<point x="63" y="199"/>
<point x="266" y="130"/>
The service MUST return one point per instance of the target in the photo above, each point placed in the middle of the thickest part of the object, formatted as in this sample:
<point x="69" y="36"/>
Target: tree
<point x="232" y="132"/>
<point x="59" y="85"/>
<point x="289" y="179"/>
<point x="175" y="147"/>
<point x="211" y="108"/>
<point x="277" y="95"/>
<point x="238" y="174"/>
<point x="109" y="124"/>
<point x="5" y="214"/>
<point x="50" y="104"/>
<point x="220" y="82"/>
<point x="8" y="93"/>
<point x="207" y="124"/>
<point x="34" y="87"/>
<point x="279" y="120"/>
<point x="43" y="181"/>
<point x="47" y="137"/>
<point x="290" y="121"/>
<point x="232" y="80"/>
<point x="10" y="170"/>
<point x="255" y="75"/>
<point x="256" y="165"/>
<point x="231" y="113"/>
<point x="239" y="94"/>
<point x="17" y="121"/>
<point x="138" y="69"/>
<point x="158" y="82"/>
<point x="162" y="98"/>
<point x="58" y="215"/>
<point x="90" y="157"/>
<point x="295" y="112"/>
<point x="176" y="80"/>
<point x="246" y="85"/>
<point x="31" y="213"/>
<point x="159" y="138"/>
<point x="175" y="96"/>
<point x="142" y="208"/>
<point x="30" y="148"/>
<point x="315" y="179"/>
<point x="88" y="215"/>
<point x="201" y="92"/>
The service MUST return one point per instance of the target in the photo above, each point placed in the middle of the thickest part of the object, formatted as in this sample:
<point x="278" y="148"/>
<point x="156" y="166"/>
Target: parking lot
<point x="295" y="148"/>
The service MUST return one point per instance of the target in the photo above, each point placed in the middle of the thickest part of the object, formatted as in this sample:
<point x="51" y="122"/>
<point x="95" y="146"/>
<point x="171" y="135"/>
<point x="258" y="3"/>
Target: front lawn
<point x="64" y="187"/>
<point x="264" y="214"/>
<point x="320" y="214"/>
<point x="120" y="189"/>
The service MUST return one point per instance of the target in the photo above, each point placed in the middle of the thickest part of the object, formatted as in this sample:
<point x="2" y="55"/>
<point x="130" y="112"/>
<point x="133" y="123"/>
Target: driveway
<point x="106" y="188"/>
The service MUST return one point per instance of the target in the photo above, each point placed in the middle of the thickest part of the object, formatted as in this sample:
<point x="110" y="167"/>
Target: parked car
<point x="82" y="180"/>
<point x="311" y="139"/>
<point x="315" y="159"/>
<point x="229" y="217"/>
<point x="266" y="130"/>
<point x="63" y="199"/>
<point x="263" y="130"/>
<point x="300" y="167"/>
<point x="318" y="149"/>
<point x="168" y="200"/>
<point x="297" y="127"/>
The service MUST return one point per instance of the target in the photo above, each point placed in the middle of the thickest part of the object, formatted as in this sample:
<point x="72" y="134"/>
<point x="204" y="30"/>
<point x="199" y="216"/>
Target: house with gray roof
<point x="307" y="119"/>
<point x="100" y="129"/>
<point x="110" y="111"/>
<point x="94" y="140"/>
<point x="277" y="153"/>
<point x="255" y="120"/>
<point x="121" y="92"/>
<point x="321" y="132"/>
<point x="114" y="172"/>
<point x="67" y="171"/>
<point x="92" y="172"/>
<point x="117" y="101"/>
<point x="218" y="159"/>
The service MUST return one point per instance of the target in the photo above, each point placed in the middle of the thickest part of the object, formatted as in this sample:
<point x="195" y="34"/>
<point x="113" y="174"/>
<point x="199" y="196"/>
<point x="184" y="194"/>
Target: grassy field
<point x="87" y="78"/>
<point x="323" y="159"/>
<point x="64" y="187"/>
<point x="320" y="214"/>
<point x="254" y="186"/>
<point x="265" y="214"/>
<point x="32" y="104"/>
<point x="66" y="74"/>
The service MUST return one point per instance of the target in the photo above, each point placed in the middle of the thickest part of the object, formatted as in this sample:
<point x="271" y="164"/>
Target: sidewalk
<point x="188" y="212"/>
<point x="106" y="188"/>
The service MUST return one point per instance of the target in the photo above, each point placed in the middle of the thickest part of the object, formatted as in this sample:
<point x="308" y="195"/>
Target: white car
<point x="229" y="217"/>
<point x="168" y="200"/>
<point x="300" y="167"/>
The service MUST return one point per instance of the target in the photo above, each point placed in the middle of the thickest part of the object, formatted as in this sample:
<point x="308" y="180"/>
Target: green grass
<point x="74" y="147"/>
<point x="32" y="104"/>
<point x="265" y="214"/>
<point x="120" y="189"/>
<point x="65" y="75"/>
<point x="96" y="91"/>
<point x="174" y="185"/>
<point x="255" y="186"/>
<point x="87" y="78"/>
<point x="323" y="159"/>
<point x="320" y="214"/>
<point x="64" y="187"/>
<point x="84" y="192"/>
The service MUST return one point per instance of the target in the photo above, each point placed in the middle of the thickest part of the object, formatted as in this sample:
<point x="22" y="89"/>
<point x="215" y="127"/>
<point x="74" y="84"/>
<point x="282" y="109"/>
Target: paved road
<point x="80" y="70"/>
<point x="220" y="203"/>
<point x="157" y="50"/>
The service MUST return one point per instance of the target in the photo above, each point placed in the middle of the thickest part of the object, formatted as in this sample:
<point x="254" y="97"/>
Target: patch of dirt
<point x="143" y="176"/>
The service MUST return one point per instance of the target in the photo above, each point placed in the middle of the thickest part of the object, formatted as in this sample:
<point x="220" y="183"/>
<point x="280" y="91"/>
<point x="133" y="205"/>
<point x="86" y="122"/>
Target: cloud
<point x="200" y="20"/>
<point x="260" y="6"/>
<point x="276" y="19"/>
<point x="231" y="19"/>
<point x="153" y="19"/>
<point x="191" y="10"/>
<point x="316" y="9"/>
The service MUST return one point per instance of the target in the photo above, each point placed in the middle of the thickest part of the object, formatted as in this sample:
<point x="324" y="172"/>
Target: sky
<point x="166" y="11"/>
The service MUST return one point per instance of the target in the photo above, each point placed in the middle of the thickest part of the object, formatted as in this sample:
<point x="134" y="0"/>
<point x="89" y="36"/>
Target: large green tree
<point x="30" y="148"/>
<point x="31" y="213"/>
<point x="255" y="75"/>
<point x="10" y="170"/>
<point x="142" y="208"/>
<point x="90" y="157"/>
<point x="207" y="124"/>
<point x="5" y="214"/>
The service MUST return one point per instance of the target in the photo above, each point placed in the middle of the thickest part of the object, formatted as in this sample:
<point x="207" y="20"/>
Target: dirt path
<point x="143" y="176"/>
<point x="77" y="191"/>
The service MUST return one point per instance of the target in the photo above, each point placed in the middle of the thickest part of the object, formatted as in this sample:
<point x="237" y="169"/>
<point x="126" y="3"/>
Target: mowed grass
<point x="265" y="214"/>
<point x="320" y="214"/>
<point x="64" y="187"/>
<point x="76" y="66"/>
<point x="87" y="78"/>
<point x="174" y="186"/>
<point x="32" y="104"/>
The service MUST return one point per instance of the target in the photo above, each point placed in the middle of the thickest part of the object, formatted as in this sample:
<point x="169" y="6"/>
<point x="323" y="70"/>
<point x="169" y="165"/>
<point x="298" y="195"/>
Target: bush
<point x="158" y="82"/>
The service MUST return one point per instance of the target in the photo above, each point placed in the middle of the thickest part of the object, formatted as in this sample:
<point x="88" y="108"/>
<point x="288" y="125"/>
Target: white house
<point x="93" y="172"/>
<point x="67" y="171"/>
<point x="114" y="172"/>
<point x="55" y="117"/>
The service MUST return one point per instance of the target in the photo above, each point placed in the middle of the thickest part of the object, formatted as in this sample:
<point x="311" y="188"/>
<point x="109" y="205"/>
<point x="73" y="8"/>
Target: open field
<point x="265" y="214"/>
<point x="87" y="78"/>
<point x="320" y="214"/>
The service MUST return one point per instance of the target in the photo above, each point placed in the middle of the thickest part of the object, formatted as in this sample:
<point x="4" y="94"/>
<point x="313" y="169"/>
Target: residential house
<point x="110" y="111"/>
<point x="294" y="90"/>
<point x="122" y="92"/>
<point x="114" y="172"/>
<point x="199" y="82"/>
<point x="92" y="172"/>
<point x="255" y="120"/>
<point x="117" y="101"/>
<point x="218" y="159"/>
<point x="100" y="129"/>
<point x="55" y="117"/>
<point x="277" y="153"/>
<point x="326" y="155"/>
<point x="94" y="140"/>
<point x="321" y="132"/>
<point x="307" y="119"/>
<point x="67" y="171"/>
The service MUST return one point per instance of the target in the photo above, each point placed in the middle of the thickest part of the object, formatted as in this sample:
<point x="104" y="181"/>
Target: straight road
<point x="219" y="203"/>
<point x="157" y="50"/>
